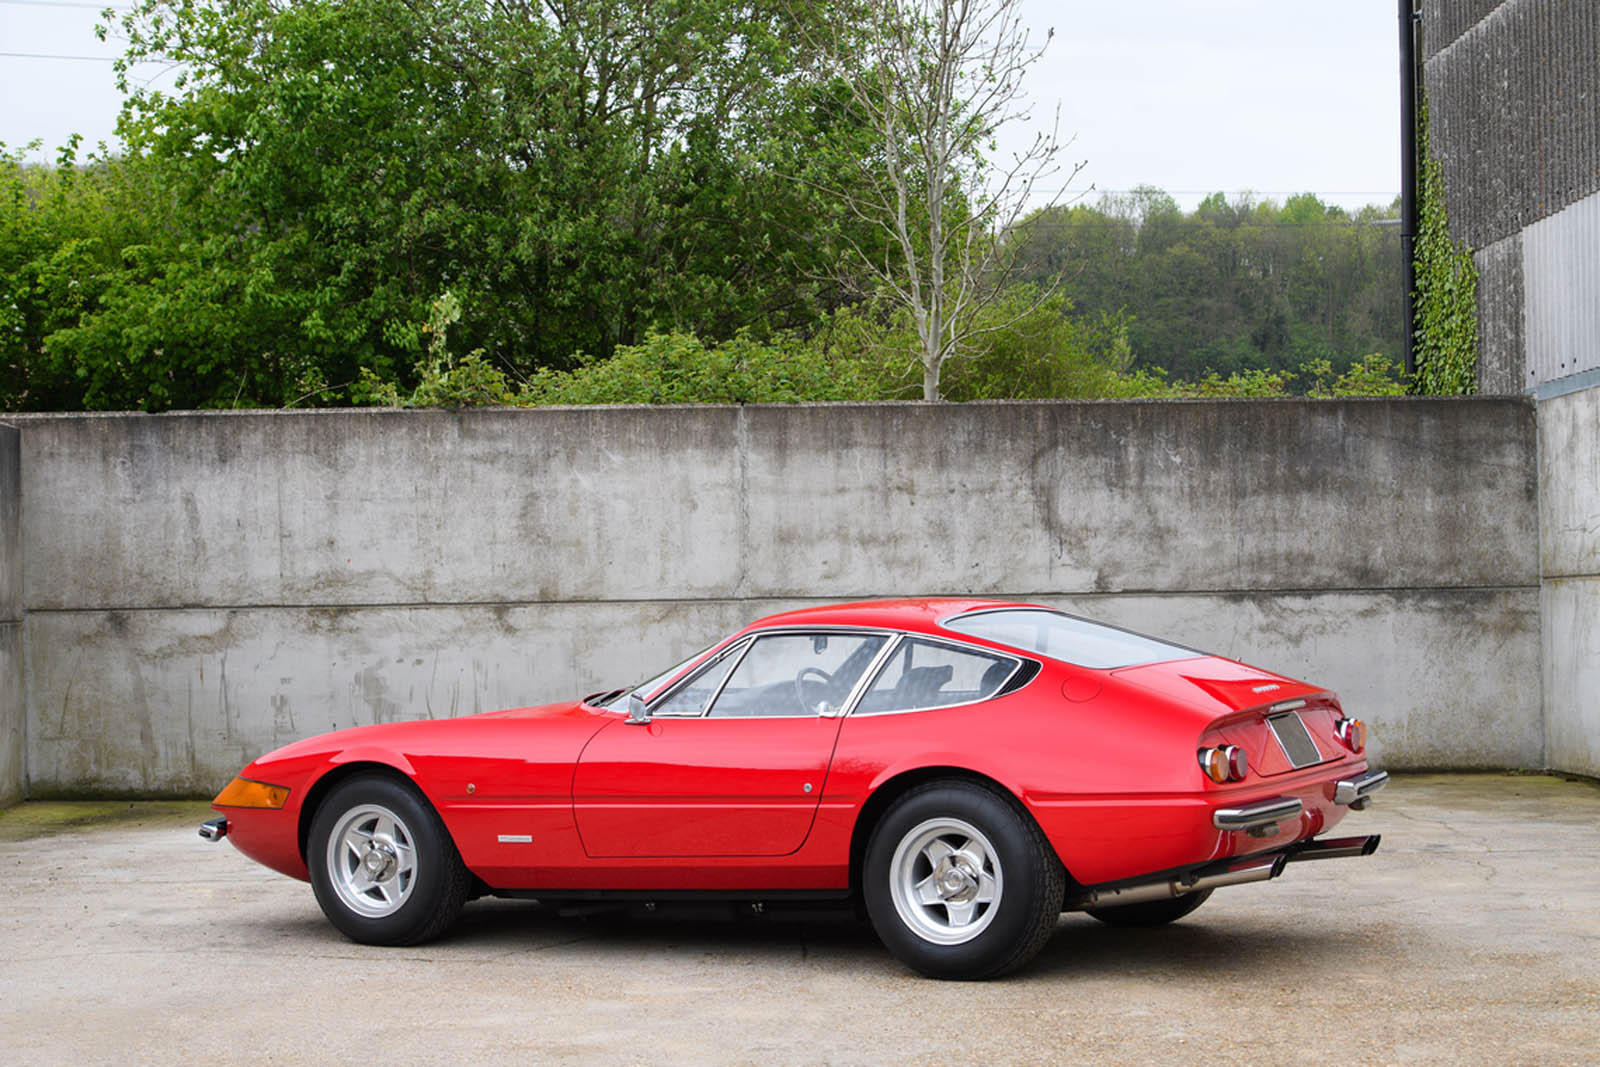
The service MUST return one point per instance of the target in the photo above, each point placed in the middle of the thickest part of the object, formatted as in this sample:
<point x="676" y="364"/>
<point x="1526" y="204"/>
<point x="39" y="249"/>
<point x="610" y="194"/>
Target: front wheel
<point x="382" y="865"/>
<point x="959" y="883"/>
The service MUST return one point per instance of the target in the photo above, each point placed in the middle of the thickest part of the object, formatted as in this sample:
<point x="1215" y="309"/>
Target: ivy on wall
<point x="1445" y="342"/>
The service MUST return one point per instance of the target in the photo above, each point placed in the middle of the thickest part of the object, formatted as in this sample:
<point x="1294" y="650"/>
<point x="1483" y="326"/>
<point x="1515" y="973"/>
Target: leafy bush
<point x="680" y="368"/>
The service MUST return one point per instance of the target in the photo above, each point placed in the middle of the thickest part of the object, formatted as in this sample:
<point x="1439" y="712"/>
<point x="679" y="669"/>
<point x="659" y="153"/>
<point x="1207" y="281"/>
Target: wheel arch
<point x="343" y="772"/>
<point x="893" y="788"/>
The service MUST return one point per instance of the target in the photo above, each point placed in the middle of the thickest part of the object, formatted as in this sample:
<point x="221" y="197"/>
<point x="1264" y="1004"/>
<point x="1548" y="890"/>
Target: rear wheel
<point x="959" y="883"/>
<point x="1151" y="912"/>
<point x="382" y="864"/>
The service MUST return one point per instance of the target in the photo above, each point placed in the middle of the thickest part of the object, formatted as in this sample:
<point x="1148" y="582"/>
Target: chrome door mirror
<point x="638" y="714"/>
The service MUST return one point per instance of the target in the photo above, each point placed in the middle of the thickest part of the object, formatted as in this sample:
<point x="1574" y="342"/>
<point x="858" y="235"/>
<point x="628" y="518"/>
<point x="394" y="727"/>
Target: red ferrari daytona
<point x="961" y="770"/>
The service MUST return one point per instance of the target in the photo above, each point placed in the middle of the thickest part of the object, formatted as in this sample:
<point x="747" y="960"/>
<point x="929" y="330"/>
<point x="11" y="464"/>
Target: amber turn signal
<point x="1353" y="732"/>
<point x="1227" y="763"/>
<point x="244" y="793"/>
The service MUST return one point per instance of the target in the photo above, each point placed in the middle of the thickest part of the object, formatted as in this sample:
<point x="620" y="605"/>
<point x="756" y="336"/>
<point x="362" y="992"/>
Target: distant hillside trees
<point x="1233" y="286"/>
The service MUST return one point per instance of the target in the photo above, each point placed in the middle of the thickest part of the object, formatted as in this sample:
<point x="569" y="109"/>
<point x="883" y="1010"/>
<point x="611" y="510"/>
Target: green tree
<point x="933" y="80"/>
<point x="576" y="173"/>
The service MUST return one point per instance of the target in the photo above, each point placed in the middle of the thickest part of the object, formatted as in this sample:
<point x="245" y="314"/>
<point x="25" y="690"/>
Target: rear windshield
<point x="1071" y="640"/>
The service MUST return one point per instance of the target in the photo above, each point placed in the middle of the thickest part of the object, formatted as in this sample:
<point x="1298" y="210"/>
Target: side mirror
<point x="638" y="714"/>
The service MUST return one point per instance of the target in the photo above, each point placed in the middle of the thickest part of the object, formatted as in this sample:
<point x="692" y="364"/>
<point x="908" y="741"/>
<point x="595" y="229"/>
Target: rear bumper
<point x="1257" y="816"/>
<point x="1357" y="792"/>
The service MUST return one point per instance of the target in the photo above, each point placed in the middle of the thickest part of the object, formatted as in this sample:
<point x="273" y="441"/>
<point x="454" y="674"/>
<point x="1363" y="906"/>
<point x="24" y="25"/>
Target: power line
<point x="65" y="4"/>
<point x="50" y="55"/>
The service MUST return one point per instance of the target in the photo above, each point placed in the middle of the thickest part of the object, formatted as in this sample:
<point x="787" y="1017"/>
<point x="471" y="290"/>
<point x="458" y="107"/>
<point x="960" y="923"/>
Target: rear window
<point x="1071" y="640"/>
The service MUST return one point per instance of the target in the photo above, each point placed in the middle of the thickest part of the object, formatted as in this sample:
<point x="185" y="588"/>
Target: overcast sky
<point x="1193" y="96"/>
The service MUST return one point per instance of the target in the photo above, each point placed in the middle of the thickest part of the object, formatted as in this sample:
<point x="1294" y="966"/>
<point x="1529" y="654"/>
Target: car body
<point x="962" y="769"/>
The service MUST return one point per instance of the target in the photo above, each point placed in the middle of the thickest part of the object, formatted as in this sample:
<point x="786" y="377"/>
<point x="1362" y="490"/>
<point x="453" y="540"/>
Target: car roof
<point x="918" y="614"/>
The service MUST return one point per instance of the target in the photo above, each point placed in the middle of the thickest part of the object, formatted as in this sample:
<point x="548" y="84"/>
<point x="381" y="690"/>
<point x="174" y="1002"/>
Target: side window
<point x="691" y="698"/>
<point x="790" y="675"/>
<point x="922" y="674"/>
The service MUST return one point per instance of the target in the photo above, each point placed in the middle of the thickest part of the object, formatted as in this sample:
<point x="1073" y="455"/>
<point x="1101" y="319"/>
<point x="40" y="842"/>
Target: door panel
<point x="702" y="787"/>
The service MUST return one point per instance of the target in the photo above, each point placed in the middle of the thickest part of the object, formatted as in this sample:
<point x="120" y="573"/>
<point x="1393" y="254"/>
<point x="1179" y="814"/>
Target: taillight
<point x="1225" y="763"/>
<point x="1353" y="732"/>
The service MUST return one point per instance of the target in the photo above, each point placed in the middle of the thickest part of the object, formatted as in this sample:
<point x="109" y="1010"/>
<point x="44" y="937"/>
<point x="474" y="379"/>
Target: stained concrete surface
<point x="1473" y="936"/>
<point x="269" y="575"/>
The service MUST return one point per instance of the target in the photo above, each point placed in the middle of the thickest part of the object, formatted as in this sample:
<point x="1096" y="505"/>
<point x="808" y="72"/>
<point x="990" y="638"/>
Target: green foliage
<point x="1372" y="375"/>
<point x="1445" y="341"/>
<point x="317" y="173"/>
<point x="682" y="369"/>
<point x="444" y="204"/>
<point x="443" y="381"/>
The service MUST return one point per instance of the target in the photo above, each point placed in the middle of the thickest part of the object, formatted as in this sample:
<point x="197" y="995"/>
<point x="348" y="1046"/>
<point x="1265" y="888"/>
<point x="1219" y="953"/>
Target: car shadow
<point x="1223" y="946"/>
<point x="1218" y="947"/>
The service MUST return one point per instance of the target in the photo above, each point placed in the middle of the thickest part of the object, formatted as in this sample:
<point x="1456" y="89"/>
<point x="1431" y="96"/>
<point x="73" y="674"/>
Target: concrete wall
<point x="1569" y="468"/>
<point x="13" y="760"/>
<point x="201" y="588"/>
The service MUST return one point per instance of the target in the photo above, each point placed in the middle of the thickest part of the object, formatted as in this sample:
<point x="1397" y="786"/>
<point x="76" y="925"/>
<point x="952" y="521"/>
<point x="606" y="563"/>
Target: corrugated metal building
<point x="1514" y="94"/>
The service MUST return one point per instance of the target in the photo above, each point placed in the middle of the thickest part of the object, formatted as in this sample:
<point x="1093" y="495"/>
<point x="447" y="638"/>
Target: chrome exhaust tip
<point x="1335" y="848"/>
<point x="214" y="829"/>
<point x="1175" y="887"/>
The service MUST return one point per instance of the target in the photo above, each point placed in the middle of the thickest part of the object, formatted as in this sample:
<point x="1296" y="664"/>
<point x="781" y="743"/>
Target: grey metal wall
<point x="200" y="588"/>
<point x="1514" y="96"/>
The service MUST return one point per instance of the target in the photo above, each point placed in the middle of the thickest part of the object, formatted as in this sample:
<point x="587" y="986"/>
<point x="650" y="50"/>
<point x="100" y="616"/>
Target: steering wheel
<point x="801" y="680"/>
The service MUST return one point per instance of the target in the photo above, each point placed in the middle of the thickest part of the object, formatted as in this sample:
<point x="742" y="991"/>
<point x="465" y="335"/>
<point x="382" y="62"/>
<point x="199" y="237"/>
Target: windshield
<point x="644" y="690"/>
<point x="1071" y="640"/>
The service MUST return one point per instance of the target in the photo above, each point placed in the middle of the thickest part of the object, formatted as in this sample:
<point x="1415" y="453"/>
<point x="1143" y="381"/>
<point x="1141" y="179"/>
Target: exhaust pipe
<point x="214" y="829"/>
<point x="1138" y="894"/>
<point x="1337" y="848"/>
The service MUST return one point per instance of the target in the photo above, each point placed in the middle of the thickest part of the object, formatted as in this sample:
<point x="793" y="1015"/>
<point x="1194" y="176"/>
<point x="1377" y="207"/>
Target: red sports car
<point x="962" y="770"/>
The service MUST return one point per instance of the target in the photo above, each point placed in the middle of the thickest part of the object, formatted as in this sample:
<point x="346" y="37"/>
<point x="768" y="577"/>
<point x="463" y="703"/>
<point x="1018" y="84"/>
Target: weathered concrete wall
<point x="13" y="751"/>
<point x="1569" y="468"/>
<point x="201" y="588"/>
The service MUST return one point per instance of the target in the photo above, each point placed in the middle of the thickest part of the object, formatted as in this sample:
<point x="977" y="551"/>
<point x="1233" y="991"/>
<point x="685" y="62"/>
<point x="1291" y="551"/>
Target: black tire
<point x="1151" y="912"/>
<point x="990" y="848"/>
<point x="421" y="883"/>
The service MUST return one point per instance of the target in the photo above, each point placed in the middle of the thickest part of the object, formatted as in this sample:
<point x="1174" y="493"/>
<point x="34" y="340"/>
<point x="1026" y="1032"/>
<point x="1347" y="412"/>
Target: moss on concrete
<point x="32" y="819"/>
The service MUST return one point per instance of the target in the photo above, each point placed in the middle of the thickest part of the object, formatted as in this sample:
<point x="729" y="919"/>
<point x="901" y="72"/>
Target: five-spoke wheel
<point x="372" y="861"/>
<point x="960" y="883"/>
<point x="382" y="864"/>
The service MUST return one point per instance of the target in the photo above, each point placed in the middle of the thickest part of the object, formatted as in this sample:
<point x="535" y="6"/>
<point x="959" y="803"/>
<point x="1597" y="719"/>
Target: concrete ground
<point x="1473" y="936"/>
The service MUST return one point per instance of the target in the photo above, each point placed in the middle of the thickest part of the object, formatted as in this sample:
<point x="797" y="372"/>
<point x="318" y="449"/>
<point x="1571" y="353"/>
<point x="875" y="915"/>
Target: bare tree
<point x="935" y="80"/>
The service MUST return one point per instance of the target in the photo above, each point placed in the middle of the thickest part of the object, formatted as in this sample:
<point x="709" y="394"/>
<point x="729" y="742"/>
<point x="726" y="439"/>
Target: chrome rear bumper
<point x="1255" y="816"/>
<point x="1357" y="792"/>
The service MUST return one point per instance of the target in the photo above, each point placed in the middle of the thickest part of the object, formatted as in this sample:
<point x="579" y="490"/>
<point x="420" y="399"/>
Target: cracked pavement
<point x="1472" y="936"/>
